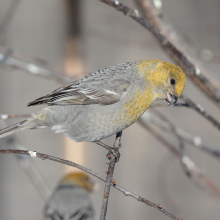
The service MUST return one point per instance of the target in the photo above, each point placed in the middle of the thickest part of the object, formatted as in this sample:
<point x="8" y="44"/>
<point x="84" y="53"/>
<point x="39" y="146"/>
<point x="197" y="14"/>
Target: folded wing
<point x="103" y="89"/>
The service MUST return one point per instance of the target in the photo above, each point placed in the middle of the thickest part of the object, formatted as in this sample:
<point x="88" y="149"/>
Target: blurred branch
<point x="193" y="172"/>
<point x="8" y="116"/>
<point x="35" y="154"/>
<point x="29" y="167"/>
<point x="151" y="12"/>
<point x="163" y="180"/>
<point x="9" y="16"/>
<point x="206" y="84"/>
<point x="189" y="166"/>
<point x="195" y="141"/>
<point x="17" y="60"/>
<point x="186" y="161"/>
<point x="198" y="108"/>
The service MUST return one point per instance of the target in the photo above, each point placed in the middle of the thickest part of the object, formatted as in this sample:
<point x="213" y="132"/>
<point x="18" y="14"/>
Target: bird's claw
<point x="113" y="152"/>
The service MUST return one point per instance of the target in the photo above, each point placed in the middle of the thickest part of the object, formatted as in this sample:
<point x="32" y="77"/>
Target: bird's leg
<point x="115" y="149"/>
<point x="117" y="143"/>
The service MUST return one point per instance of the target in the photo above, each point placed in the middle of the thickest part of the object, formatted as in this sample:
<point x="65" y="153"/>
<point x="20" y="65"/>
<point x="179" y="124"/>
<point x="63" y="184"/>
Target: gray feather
<point x="104" y="87"/>
<point x="69" y="203"/>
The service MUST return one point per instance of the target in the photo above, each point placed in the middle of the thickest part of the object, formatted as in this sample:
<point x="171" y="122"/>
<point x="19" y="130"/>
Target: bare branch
<point x="159" y="18"/>
<point x="192" y="170"/>
<point x="194" y="140"/>
<point x="9" y="116"/>
<point x="35" y="154"/>
<point x="113" y="156"/>
<point x="107" y="187"/>
<point x="198" y="108"/>
<point x="194" y="106"/>
<point x="28" y="166"/>
<point x="204" y="82"/>
<point x="148" y="9"/>
<point x="30" y="169"/>
<point x="15" y="59"/>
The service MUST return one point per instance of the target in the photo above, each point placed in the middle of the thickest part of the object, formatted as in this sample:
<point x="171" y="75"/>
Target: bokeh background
<point x="82" y="36"/>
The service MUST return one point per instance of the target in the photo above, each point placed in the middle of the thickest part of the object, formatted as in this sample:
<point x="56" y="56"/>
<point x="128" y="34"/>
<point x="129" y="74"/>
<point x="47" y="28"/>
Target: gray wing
<point x="104" y="87"/>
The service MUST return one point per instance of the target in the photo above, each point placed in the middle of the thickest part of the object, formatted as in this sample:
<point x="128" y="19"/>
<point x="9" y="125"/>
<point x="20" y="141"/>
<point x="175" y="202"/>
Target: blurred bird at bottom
<point x="70" y="200"/>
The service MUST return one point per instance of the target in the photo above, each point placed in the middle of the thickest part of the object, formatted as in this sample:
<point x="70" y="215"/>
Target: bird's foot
<point x="117" y="143"/>
<point x="113" y="152"/>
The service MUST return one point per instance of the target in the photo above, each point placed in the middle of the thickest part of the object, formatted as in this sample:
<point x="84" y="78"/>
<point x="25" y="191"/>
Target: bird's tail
<point x="14" y="129"/>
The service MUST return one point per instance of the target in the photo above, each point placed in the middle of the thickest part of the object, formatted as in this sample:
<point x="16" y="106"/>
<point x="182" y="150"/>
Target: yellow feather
<point x="157" y="72"/>
<point x="80" y="179"/>
<point x="135" y="107"/>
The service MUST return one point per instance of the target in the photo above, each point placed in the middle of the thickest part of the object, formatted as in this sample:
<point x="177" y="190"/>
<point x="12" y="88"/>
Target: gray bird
<point x="70" y="200"/>
<point x="105" y="102"/>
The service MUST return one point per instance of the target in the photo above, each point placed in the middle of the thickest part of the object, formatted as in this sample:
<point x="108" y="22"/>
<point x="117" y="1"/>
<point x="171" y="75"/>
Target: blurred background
<point x="82" y="36"/>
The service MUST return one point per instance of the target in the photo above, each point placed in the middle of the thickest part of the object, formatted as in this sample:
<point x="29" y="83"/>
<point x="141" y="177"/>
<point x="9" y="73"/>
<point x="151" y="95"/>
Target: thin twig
<point x="195" y="141"/>
<point x="35" y="154"/>
<point x="204" y="83"/>
<point x="181" y="143"/>
<point x="193" y="171"/>
<point x="9" y="116"/>
<point x="198" y="108"/>
<point x="108" y="182"/>
<point x="104" y="145"/>
<point x="159" y="18"/>
<point x="15" y="59"/>
<point x="29" y="167"/>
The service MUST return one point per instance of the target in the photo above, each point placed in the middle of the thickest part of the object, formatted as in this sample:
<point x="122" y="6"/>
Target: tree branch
<point x="15" y="59"/>
<point x="107" y="187"/>
<point x="28" y="166"/>
<point x="195" y="141"/>
<point x="198" y="108"/>
<point x="208" y="86"/>
<point x="9" y="116"/>
<point x="35" y="154"/>
<point x="193" y="171"/>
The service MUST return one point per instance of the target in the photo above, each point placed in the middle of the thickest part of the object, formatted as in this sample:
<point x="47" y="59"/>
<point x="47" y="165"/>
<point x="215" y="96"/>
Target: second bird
<point x="70" y="200"/>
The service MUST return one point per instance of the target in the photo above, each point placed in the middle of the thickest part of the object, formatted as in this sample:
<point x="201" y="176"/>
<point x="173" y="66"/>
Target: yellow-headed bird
<point x="105" y="102"/>
<point x="70" y="200"/>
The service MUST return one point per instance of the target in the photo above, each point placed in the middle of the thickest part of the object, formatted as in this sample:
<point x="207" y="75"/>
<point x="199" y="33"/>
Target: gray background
<point x="40" y="28"/>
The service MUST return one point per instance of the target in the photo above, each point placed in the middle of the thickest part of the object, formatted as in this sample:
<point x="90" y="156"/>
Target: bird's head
<point x="166" y="79"/>
<point x="80" y="179"/>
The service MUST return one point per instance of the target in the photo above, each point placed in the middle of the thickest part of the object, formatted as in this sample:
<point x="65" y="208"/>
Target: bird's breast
<point x="136" y="104"/>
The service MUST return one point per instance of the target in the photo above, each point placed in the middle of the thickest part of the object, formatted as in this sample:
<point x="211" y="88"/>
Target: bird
<point x="105" y="102"/>
<point x="70" y="200"/>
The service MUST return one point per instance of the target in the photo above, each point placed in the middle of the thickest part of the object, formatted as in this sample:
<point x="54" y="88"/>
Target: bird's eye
<point x="172" y="81"/>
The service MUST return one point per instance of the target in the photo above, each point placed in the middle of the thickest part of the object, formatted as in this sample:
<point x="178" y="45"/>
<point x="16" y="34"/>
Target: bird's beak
<point x="171" y="98"/>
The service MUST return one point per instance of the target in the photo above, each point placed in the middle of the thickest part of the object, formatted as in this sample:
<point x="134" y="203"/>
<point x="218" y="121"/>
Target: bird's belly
<point x="94" y="122"/>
